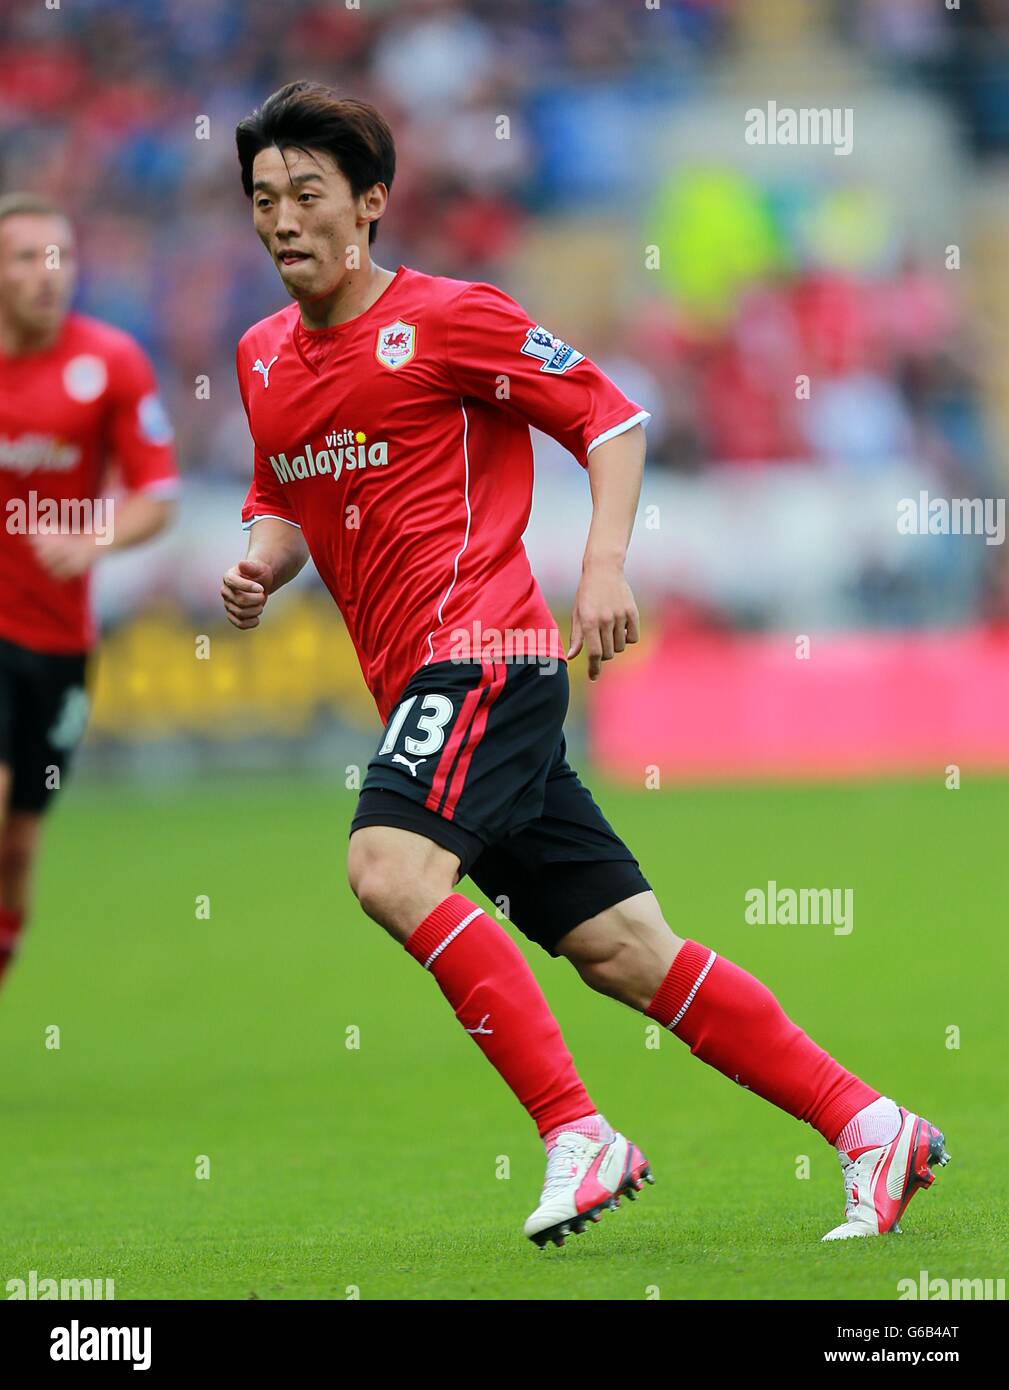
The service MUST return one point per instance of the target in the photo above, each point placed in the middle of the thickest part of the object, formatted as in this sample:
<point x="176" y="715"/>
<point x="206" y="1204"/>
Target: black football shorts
<point x="474" y="758"/>
<point x="43" y="714"/>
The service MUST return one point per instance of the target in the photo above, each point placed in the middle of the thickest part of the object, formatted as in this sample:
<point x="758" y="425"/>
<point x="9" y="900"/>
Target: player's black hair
<point x="310" y="116"/>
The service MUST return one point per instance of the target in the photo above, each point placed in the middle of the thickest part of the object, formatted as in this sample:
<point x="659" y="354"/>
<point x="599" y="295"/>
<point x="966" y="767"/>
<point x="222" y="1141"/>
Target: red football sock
<point x="11" y="923"/>
<point x="735" y="1024"/>
<point x="485" y="978"/>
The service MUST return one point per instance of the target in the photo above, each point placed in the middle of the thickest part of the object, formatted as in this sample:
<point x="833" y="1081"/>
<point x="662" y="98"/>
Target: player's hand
<point x="65" y="557"/>
<point x="605" y="616"/>
<point x="245" y="589"/>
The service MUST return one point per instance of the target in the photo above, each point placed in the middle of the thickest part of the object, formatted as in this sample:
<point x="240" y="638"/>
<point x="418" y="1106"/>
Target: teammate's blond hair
<point x="30" y="204"/>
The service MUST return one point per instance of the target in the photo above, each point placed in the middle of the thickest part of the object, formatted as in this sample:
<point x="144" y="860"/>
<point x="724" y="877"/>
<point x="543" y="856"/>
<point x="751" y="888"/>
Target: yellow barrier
<point x="162" y="675"/>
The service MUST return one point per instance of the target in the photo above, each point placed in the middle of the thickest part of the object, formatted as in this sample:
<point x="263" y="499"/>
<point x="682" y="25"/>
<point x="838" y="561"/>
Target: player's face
<point x="306" y="217"/>
<point x="37" y="271"/>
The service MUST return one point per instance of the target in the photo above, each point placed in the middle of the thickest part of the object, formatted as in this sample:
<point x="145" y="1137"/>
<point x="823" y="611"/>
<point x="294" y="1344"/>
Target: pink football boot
<point x="584" y="1177"/>
<point x="879" y="1182"/>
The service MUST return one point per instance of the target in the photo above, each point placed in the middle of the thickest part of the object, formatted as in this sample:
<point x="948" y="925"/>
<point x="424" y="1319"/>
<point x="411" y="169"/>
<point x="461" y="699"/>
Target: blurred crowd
<point x="855" y="371"/>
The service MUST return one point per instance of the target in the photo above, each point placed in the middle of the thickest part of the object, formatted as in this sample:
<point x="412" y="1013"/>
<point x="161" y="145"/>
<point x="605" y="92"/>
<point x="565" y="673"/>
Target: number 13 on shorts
<point x="435" y="713"/>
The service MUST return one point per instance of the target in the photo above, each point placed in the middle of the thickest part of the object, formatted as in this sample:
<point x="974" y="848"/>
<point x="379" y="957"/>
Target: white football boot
<point x="880" y="1181"/>
<point x="584" y="1177"/>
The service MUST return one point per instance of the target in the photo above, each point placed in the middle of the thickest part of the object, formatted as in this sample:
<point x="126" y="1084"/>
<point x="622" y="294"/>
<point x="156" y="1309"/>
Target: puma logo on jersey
<point x="258" y="367"/>
<point x="398" y="758"/>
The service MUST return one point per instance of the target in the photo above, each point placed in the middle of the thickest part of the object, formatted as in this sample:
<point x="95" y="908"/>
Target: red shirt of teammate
<point x="399" y="443"/>
<point x="66" y="412"/>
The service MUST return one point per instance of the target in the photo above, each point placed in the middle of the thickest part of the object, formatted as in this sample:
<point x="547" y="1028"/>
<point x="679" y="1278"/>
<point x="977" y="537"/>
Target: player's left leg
<point x="20" y="832"/>
<point x="10" y="920"/>
<point x="734" y="1023"/>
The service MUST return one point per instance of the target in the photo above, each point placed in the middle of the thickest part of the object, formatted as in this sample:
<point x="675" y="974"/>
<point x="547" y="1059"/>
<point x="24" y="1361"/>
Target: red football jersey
<point x="66" y="413"/>
<point x="399" y="443"/>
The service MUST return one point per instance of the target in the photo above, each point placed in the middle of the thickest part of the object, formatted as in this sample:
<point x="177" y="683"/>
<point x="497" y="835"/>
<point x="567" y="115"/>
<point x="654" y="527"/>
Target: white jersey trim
<point x="268" y="516"/>
<point x="638" y="419"/>
<point x="465" y="543"/>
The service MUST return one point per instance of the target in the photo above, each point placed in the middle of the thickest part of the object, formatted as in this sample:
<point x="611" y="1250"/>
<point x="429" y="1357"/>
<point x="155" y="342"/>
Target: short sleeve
<point x="263" y="498"/>
<point x="497" y="353"/>
<point x="139" y="432"/>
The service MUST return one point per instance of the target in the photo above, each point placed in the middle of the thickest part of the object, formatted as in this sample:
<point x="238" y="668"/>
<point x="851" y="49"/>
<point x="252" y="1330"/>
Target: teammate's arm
<point x="277" y="552"/>
<point x="137" y="518"/>
<point x="605" y="616"/>
<point x="138" y="438"/>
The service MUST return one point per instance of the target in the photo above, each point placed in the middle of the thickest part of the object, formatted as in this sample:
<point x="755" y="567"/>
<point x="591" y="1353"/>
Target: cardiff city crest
<point x="397" y="343"/>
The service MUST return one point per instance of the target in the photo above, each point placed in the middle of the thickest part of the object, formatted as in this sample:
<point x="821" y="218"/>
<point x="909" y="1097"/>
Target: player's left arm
<point x="140" y="439"/>
<point x="605" y="616"/>
<point x="496" y="352"/>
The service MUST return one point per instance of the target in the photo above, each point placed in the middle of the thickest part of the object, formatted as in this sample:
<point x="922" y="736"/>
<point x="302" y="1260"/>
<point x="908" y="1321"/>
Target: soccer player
<point x="75" y="395"/>
<point x="389" y="413"/>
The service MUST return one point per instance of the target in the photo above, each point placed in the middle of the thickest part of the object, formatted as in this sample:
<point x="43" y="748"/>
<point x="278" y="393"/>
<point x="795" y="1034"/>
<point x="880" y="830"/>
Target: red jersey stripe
<point x="500" y="672"/>
<point x="458" y="735"/>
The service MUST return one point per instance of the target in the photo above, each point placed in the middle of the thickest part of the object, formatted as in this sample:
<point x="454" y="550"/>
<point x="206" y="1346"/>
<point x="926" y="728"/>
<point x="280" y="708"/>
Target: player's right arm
<point x="277" y="552"/>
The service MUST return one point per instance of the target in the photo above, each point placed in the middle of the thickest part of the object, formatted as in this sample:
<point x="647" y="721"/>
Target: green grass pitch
<point x="378" y="1168"/>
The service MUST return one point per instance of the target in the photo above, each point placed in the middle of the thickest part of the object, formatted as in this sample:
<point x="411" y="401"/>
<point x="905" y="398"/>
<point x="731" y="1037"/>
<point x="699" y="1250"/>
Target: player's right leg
<point x="466" y="754"/>
<point x="43" y="710"/>
<point x="405" y="881"/>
